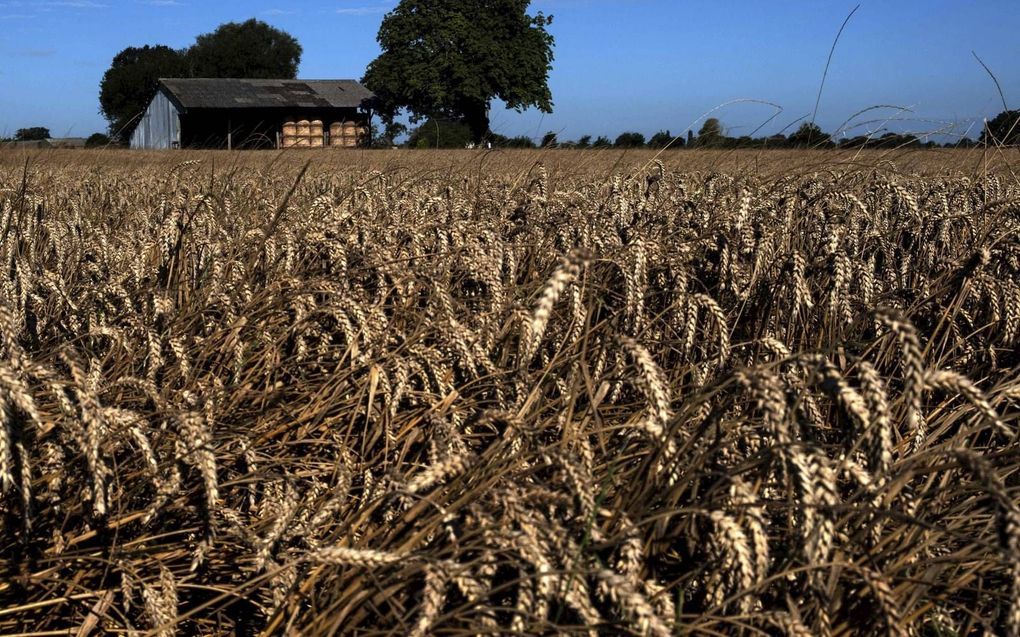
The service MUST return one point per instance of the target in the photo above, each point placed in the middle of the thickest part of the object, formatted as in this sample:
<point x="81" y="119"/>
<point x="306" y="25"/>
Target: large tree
<point x="451" y="58"/>
<point x="251" y="49"/>
<point x="130" y="82"/>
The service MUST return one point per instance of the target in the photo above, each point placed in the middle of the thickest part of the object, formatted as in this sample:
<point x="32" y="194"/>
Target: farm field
<point x="583" y="165"/>
<point x="595" y="392"/>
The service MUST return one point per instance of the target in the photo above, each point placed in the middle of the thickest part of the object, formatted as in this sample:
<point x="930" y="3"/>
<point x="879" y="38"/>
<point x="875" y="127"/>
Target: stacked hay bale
<point x="290" y="134"/>
<point x="315" y="134"/>
<point x="347" y="134"/>
<point x="304" y="132"/>
<point x="312" y="134"/>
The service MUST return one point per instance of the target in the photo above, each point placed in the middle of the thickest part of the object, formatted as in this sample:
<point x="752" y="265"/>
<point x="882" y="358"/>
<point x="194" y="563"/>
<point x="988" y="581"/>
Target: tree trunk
<point x="476" y="116"/>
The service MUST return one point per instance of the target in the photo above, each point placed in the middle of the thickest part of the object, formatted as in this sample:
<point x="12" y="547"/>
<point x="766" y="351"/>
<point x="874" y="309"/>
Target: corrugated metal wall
<point x="160" y="126"/>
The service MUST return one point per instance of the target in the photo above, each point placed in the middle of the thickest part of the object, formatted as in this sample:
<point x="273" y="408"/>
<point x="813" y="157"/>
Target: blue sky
<point x="641" y="65"/>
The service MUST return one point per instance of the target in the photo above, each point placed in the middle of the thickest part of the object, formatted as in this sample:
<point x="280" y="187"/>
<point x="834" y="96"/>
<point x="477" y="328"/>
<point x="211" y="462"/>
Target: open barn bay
<point x="469" y="393"/>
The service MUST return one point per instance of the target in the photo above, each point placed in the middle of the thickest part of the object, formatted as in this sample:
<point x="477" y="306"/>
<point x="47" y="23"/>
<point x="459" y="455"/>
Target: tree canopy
<point x="451" y="58"/>
<point x="630" y="140"/>
<point x="1004" y="128"/>
<point x="35" y="133"/>
<point x="131" y="80"/>
<point x="711" y="132"/>
<point x="664" y="138"/>
<point x="250" y="49"/>
<point x="809" y="135"/>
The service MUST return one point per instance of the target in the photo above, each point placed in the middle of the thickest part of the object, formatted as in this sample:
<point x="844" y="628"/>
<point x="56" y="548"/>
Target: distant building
<point x="52" y="142"/>
<point x="66" y="142"/>
<point x="238" y="113"/>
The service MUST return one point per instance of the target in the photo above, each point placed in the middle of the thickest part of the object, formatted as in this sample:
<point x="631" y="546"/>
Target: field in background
<point x="579" y="164"/>
<point x="543" y="392"/>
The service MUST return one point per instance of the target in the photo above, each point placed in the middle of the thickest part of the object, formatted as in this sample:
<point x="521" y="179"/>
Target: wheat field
<point x="509" y="393"/>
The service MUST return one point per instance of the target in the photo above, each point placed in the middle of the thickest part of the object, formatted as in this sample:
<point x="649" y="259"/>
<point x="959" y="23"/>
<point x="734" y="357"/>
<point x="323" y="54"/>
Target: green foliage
<point x="36" y="133"/>
<point x="663" y="138"/>
<point x="711" y="133"/>
<point x="630" y="140"/>
<point x="601" y="142"/>
<point x="521" y="141"/>
<point x="440" y="133"/>
<point x="549" y="140"/>
<point x="809" y="135"/>
<point x="130" y="83"/>
<point x="251" y="49"/>
<point x="450" y="58"/>
<point x="1004" y="129"/>
<point x="97" y="140"/>
<point x="888" y="140"/>
<point x="584" y="142"/>
<point x="387" y="137"/>
<point x="502" y="141"/>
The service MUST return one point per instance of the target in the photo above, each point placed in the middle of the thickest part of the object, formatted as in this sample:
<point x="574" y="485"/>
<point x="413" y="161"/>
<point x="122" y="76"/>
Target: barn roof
<point x="239" y="93"/>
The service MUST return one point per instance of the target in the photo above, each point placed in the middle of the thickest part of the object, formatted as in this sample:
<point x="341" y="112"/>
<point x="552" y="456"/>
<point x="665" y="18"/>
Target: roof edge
<point x="165" y="90"/>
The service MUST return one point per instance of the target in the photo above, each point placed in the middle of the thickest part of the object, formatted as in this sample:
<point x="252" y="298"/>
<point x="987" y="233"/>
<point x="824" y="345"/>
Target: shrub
<point x="440" y="133"/>
<point x="97" y="140"/>
<point x="663" y="139"/>
<point x="630" y="140"/>
<point x="521" y="141"/>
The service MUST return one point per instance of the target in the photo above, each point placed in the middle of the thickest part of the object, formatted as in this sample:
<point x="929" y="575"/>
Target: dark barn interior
<point x="252" y="128"/>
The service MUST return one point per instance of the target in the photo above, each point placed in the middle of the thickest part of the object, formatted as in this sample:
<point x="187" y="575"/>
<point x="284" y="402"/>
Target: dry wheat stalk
<point x="355" y="376"/>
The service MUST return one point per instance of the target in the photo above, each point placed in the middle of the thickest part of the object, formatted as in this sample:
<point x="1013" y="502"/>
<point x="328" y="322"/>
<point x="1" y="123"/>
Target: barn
<point x="249" y="113"/>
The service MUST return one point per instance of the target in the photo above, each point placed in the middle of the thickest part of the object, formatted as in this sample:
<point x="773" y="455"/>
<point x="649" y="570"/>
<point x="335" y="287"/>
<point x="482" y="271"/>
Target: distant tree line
<point x="452" y="133"/>
<point x="41" y="133"/>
